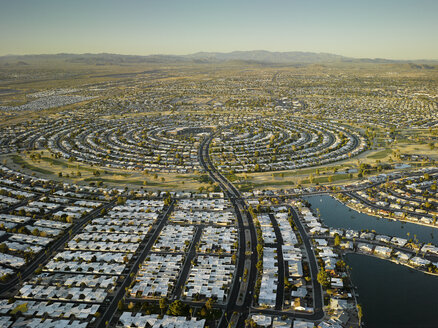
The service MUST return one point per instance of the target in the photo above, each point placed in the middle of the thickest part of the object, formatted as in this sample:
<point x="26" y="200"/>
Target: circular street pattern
<point x="271" y="145"/>
<point x="170" y="143"/>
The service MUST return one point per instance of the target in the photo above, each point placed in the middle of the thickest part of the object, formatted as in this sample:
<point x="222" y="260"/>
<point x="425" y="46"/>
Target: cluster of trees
<point x="260" y="248"/>
<point x="175" y="308"/>
<point x="323" y="278"/>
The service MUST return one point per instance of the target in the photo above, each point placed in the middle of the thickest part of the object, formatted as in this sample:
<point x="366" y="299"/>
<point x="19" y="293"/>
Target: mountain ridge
<point x="257" y="56"/>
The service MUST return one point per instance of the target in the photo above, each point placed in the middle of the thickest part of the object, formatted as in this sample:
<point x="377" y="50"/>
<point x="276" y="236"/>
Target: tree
<point x="163" y="304"/>
<point x="287" y="283"/>
<point x="167" y="200"/>
<point x="203" y="313"/>
<point x="359" y="313"/>
<point x="209" y="304"/>
<point x="3" y="248"/>
<point x="22" y="308"/>
<point x="337" y="240"/>
<point x="178" y="308"/>
<point x="341" y="265"/>
<point x="250" y="323"/>
<point x="323" y="278"/>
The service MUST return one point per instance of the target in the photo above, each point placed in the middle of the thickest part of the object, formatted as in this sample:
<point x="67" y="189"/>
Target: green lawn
<point x="335" y="177"/>
<point x="131" y="182"/>
<point x="381" y="154"/>
<point x="19" y="161"/>
<point x="64" y="164"/>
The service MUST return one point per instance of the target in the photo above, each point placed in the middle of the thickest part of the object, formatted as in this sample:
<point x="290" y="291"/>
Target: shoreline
<point x="381" y="216"/>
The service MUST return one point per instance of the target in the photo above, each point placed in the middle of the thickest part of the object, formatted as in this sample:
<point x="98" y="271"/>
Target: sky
<point x="396" y="29"/>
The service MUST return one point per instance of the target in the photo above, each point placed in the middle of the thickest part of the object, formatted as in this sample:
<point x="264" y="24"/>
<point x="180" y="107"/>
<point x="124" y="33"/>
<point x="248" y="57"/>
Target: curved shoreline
<point x="349" y="205"/>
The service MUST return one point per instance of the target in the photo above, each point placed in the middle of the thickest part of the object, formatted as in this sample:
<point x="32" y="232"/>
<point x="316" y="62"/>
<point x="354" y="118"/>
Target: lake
<point x="337" y="215"/>
<point x="391" y="295"/>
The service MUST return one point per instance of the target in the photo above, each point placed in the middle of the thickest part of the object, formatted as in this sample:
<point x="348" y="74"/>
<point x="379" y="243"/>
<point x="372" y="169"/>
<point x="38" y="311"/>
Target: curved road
<point x="240" y="295"/>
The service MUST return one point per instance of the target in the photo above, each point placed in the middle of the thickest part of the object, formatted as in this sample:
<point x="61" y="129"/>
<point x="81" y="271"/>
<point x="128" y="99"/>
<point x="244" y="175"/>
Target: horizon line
<point x="213" y="52"/>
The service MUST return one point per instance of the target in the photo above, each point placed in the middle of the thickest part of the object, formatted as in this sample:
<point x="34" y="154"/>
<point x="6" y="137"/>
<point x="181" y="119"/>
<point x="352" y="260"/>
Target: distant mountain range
<point x="256" y="56"/>
<point x="264" y="56"/>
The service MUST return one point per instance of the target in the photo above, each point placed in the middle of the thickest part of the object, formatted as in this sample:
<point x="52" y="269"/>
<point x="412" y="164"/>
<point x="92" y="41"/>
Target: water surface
<point x="337" y="215"/>
<point x="392" y="295"/>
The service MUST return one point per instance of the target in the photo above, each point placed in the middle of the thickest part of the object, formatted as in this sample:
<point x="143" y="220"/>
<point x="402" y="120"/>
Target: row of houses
<point x="157" y="275"/>
<point x="79" y="280"/>
<point x="36" y="218"/>
<point x="275" y="145"/>
<point x="209" y="277"/>
<point x="413" y="198"/>
<point x="288" y="245"/>
<point x="118" y="143"/>
<point x="342" y="304"/>
<point x="127" y="320"/>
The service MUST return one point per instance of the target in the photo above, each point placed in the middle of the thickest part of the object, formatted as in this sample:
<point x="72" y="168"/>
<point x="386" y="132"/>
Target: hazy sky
<point x="399" y="29"/>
